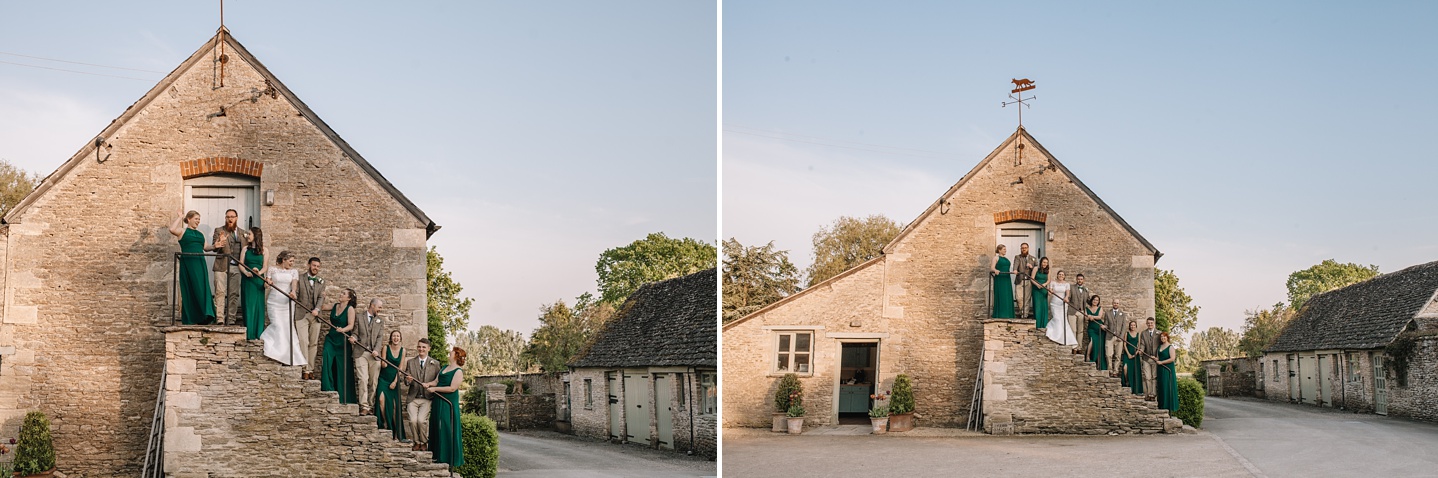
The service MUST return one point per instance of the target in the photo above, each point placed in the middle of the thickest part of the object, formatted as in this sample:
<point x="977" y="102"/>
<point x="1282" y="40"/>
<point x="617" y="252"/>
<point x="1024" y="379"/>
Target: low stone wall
<point x="1231" y="378"/>
<point x="531" y="411"/>
<point x="1419" y="399"/>
<point x="231" y="411"/>
<point x="534" y="383"/>
<point x="1033" y="385"/>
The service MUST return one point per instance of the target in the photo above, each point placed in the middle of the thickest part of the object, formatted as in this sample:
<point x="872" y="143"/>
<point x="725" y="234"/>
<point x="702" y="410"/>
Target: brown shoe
<point x="414" y="447"/>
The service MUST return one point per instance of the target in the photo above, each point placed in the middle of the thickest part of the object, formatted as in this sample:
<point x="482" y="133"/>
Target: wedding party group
<point x="412" y="395"/>
<point x="1072" y="314"/>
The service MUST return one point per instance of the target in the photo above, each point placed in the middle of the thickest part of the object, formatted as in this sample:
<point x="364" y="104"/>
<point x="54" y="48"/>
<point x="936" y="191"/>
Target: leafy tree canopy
<point x="564" y="331"/>
<point x="656" y="257"/>
<point x="1323" y="277"/>
<point x="849" y="242"/>
<point x="1262" y="327"/>
<point x="15" y="184"/>
<point x="1212" y="344"/>
<point x="754" y="277"/>
<point x="1173" y="308"/>
<point x="448" y="313"/>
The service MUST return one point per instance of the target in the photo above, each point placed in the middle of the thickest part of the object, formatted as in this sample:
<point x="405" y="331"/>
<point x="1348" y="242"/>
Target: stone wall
<point x="231" y="411"/>
<point x="82" y="310"/>
<point x="534" y="383"/>
<point x="531" y="411"/>
<point x="1033" y="385"/>
<point x="1419" y="399"/>
<point x="589" y="416"/>
<point x="1231" y="378"/>
<point x="923" y="301"/>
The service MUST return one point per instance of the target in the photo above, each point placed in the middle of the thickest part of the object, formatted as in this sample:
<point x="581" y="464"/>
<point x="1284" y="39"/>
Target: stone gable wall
<point x="593" y="422"/>
<point x="925" y="299"/>
<point x="88" y="267"/>
<point x="1034" y="385"/>
<point x="1419" y="399"/>
<point x="231" y="411"/>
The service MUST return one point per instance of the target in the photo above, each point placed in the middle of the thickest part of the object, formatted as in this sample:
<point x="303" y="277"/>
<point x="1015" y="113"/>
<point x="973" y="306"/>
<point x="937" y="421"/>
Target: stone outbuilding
<point x="1369" y="347"/>
<point x="88" y="264"/>
<point x="649" y="376"/>
<point x="923" y="308"/>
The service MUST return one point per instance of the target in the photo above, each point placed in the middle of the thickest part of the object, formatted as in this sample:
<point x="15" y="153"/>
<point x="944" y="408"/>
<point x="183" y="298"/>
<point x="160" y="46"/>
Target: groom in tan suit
<point x="424" y="369"/>
<point x="368" y="334"/>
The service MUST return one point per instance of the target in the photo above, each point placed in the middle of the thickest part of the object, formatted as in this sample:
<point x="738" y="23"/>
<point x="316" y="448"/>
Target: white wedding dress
<point x="1058" y="329"/>
<point x="281" y="343"/>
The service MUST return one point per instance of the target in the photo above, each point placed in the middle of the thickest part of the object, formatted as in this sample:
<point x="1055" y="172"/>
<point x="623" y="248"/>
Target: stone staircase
<point x="231" y="411"/>
<point x="1033" y="385"/>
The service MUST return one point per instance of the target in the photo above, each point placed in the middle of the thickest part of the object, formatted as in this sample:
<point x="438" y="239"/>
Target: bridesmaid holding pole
<point x="1003" y="287"/>
<point x="197" y="305"/>
<point x="444" y="430"/>
<point x="1041" y="294"/>
<point x="1094" y="329"/>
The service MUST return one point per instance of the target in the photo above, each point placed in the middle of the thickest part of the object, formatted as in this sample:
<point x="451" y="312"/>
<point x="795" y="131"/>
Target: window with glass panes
<point x="708" y="392"/>
<point x="794" y="352"/>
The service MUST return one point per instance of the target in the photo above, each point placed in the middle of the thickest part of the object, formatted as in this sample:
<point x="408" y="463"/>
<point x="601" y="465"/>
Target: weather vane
<point x="1020" y="86"/>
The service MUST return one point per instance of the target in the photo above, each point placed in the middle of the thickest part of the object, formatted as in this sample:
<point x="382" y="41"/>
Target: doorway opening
<point x="858" y="371"/>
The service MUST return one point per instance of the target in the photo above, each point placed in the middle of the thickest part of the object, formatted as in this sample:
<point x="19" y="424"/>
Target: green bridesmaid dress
<point x="388" y="411"/>
<point x="1167" y="382"/>
<point x="197" y="304"/>
<point x="1132" y="366"/>
<point x="1094" y="330"/>
<point x="1003" y="291"/>
<point x="1041" y="301"/>
<point x="252" y="295"/>
<point x="338" y="372"/>
<point x="444" y="432"/>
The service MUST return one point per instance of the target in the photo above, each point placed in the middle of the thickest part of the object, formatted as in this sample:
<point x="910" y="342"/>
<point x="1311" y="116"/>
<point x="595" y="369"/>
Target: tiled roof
<point x="1366" y="315"/>
<point x="666" y="323"/>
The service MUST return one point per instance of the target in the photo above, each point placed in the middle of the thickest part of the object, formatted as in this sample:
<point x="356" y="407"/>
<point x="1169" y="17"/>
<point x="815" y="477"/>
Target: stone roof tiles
<point x="1366" y="315"/>
<point x="666" y="323"/>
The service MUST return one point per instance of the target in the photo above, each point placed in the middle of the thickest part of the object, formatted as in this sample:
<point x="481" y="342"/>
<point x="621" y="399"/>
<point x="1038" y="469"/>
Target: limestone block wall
<point x="231" y="411"/>
<point x="88" y="265"/>
<point x="1419" y="399"/>
<point x="589" y="414"/>
<point x="533" y="382"/>
<point x="534" y="411"/>
<point x="1033" y="385"/>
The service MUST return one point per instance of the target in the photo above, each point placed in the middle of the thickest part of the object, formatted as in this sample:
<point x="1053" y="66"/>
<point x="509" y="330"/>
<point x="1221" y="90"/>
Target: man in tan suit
<point x="368" y="334"/>
<point x="229" y="240"/>
<point x="1024" y="265"/>
<point x="1078" y="300"/>
<point x="1148" y="345"/>
<point x="1115" y="324"/>
<point x="423" y="369"/>
<point x="309" y="298"/>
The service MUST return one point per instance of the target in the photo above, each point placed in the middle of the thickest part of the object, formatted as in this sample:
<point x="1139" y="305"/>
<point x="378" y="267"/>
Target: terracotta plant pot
<point x="901" y="422"/>
<point x="881" y="425"/>
<point x="796" y="425"/>
<point x="781" y="423"/>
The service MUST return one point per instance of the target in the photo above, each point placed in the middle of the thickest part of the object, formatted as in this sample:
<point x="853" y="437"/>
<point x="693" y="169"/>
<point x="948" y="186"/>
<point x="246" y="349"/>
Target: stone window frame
<point x="683" y="387"/>
<point x="588" y="394"/>
<point x="708" y="392"/>
<point x="1355" y="367"/>
<point x="792" y="353"/>
<point x="1275" y="370"/>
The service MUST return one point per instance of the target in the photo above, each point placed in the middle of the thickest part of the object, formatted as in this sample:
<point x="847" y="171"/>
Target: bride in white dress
<point x="1058" y="329"/>
<point x="281" y="342"/>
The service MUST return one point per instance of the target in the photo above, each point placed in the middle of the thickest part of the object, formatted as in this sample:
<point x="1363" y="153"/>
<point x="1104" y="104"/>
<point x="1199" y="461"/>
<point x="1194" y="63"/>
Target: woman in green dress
<point x="1094" y="328"/>
<point x="1041" y="294"/>
<point x="1132" y="368"/>
<point x="444" y="428"/>
<point x="252" y="286"/>
<point x="197" y="305"/>
<point x="1167" y="383"/>
<point x="338" y="373"/>
<point x="1003" y="286"/>
<point x="386" y="394"/>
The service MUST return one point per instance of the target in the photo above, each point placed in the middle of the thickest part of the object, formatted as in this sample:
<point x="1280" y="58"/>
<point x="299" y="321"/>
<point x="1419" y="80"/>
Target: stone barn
<point x="649" y="376"/>
<point x="1369" y="347"/>
<point x="922" y="309"/>
<point x="88" y="264"/>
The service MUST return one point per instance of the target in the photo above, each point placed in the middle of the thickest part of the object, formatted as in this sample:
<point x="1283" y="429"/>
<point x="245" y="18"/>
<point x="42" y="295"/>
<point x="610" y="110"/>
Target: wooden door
<point x="636" y="409"/>
<point x="211" y="197"/>
<point x="616" y="409"/>
<point x="1292" y="378"/>
<point x="664" y="411"/>
<point x="1308" y="379"/>
<point x="1380" y="386"/>
<point x="1325" y="382"/>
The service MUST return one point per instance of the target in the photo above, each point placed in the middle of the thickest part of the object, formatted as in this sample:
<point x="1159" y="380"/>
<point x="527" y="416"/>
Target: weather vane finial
<point x="1020" y="86"/>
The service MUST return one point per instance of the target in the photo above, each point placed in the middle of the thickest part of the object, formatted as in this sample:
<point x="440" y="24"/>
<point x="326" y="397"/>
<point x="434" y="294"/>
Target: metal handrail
<point x="175" y="285"/>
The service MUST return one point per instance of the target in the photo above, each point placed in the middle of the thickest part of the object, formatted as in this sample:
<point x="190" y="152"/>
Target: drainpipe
<point x="688" y="386"/>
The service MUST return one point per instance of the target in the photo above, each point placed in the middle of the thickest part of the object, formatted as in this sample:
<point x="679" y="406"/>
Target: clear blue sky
<point x="537" y="134"/>
<point x="1246" y="140"/>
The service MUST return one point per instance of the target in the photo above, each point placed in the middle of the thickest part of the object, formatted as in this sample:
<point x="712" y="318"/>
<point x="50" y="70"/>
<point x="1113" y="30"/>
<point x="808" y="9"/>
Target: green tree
<point x="1212" y="344"/>
<point x="1325" y="276"/>
<point x="754" y="277"/>
<point x="15" y="184"/>
<point x="1172" y="307"/>
<point x="1262" y="327"/>
<point x="494" y="351"/>
<point x="656" y="257"/>
<point x="448" y="313"/>
<point x="564" y="331"/>
<point x="849" y="242"/>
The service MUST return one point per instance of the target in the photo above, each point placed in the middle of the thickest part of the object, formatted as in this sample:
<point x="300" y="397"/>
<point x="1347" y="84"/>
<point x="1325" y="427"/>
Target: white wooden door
<point x="1292" y="378"/>
<point x="1307" y="383"/>
<point x="1325" y="380"/>
<point x="664" y="411"/>
<point x="636" y="407"/>
<point x="1380" y="386"/>
<point x="1015" y="234"/>
<point x="211" y="201"/>
<point x="616" y="409"/>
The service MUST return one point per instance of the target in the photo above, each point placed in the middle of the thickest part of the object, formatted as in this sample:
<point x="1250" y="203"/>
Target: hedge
<point x="1190" y="402"/>
<point x="481" y="447"/>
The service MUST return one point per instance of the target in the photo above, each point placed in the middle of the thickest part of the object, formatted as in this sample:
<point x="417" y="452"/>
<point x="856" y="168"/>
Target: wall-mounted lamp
<point x="101" y="142"/>
<point x="1051" y="236"/>
<point x="269" y="197"/>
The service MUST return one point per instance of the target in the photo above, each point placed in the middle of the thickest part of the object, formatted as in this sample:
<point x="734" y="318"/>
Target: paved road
<point x="550" y="454"/>
<point x="1283" y="440"/>
<point x="759" y="453"/>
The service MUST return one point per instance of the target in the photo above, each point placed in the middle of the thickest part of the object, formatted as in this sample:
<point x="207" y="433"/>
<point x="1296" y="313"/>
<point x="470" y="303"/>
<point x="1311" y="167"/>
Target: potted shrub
<point x="35" y="453"/>
<point x="789" y="385"/>
<point x="796" y="416"/>
<point x="901" y="408"/>
<point x="879" y="418"/>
